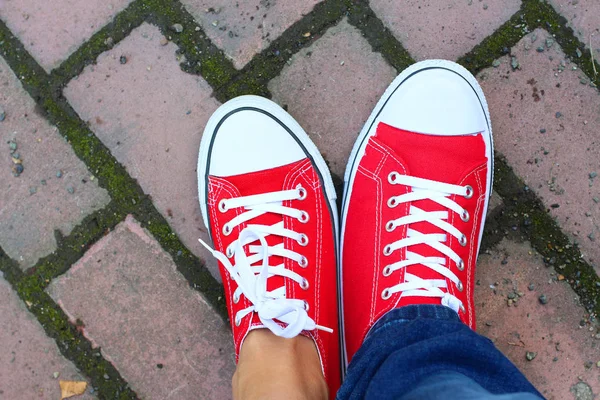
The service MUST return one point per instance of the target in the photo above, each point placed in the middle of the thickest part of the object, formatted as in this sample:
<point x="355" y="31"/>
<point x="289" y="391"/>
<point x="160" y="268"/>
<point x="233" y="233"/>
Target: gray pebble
<point x="511" y="295"/>
<point x="2" y="114"/>
<point x="496" y="63"/>
<point x="530" y="355"/>
<point x="43" y="182"/>
<point x="59" y="174"/>
<point x="596" y="199"/>
<point x="32" y="190"/>
<point x="514" y="63"/>
<point x="106" y="376"/>
<point x="549" y="42"/>
<point x="543" y="299"/>
<point x="123" y="60"/>
<point x="70" y="189"/>
<point x="579" y="53"/>
<point x="485" y="6"/>
<point x="177" y="28"/>
<point x="542" y="130"/>
<point x="18" y="169"/>
<point x="582" y="391"/>
<point x="592" y="175"/>
<point x="12" y="145"/>
<point x="540" y="49"/>
<point x="558" y="114"/>
<point x="592" y="237"/>
<point x="531" y="287"/>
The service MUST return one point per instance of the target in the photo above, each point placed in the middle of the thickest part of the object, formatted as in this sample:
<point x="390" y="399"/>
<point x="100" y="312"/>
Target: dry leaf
<point x="307" y="34"/>
<point x="71" y="388"/>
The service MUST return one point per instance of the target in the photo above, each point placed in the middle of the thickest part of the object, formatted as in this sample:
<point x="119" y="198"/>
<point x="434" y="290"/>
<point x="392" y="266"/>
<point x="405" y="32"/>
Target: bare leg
<point x="271" y="367"/>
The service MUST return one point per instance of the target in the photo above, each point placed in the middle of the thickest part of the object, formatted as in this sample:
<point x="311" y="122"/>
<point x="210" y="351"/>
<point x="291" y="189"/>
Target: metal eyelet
<point x="470" y="192"/>
<point x="460" y="286"/>
<point x="304" y="284"/>
<point x="464" y="216"/>
<point x="236" y="299"/>
<point x="304" y="217"/>
<point x="387" y="250"/>
<point x="392" y="202"/>
<point x="463" y="241"/>
<point x="303" y="241"/>
<point x="226" y="229"/>
<point x="386" y="294"/>
<point x="462" y="308"/>
<point x="392" y="177"/>
<point x="306" y="306"/>
<point x="303" y="262"/>
<point x="229" y="252"/>
<point x="301" y="192"/>
<point x="237" y="321"/>
<point x="222" y="207"/>
<point x="387" y="271"/>
<point x="460" y="265"/>
<point x="390" y="226"/>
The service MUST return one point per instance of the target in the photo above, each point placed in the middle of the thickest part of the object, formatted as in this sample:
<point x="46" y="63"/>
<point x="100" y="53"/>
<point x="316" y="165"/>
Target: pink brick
<point x="161" y="335"/>
<point x="151" y="115"/>
<point x="28" y="358"/>
<point x="30" y="210"/>
<point x="584" y="17"/>
<point x="244" y="28"/>
<point x="443" y="29"/>
<point x="525" y="101"/>
<point x="52" y="30"/>
<point x="551" y="330"/>
<point x="331" y="88"/>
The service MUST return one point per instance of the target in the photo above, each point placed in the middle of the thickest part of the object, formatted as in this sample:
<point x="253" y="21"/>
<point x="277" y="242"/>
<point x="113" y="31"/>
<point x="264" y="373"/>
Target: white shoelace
<point x="438" y="192"/>
<point x="252" y="280"/>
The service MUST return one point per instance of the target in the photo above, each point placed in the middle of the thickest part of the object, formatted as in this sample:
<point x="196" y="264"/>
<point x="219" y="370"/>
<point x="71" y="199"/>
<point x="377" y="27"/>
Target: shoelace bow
<point x="438" y="192"/>
<point x="252" y="279"/>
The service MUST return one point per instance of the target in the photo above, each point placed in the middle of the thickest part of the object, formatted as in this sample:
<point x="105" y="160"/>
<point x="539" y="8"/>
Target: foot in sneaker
<point x="268" y="201"/>
<point x="416" y="193"/>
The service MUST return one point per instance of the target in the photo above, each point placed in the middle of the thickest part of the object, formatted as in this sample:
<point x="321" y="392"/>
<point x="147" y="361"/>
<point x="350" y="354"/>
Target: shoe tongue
<point x="440" y="158"/>
<point x="260" y="182"/>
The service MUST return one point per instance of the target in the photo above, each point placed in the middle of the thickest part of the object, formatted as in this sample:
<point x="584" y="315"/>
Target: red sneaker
<point x="416" y="193"/>
<point x="268" y="201"/>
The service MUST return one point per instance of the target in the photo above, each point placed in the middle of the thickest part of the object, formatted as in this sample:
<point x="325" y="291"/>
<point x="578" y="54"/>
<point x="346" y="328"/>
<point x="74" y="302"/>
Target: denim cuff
<point x="409" y="313"/>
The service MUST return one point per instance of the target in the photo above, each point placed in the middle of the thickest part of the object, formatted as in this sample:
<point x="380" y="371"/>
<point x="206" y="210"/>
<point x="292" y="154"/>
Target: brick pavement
<point x="115" y="89"/>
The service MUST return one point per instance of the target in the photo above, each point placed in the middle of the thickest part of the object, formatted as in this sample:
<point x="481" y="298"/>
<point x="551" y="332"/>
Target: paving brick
<point x="443" y="29"/>
<point x="151" y="115"/>
<point x="556" y="164"/>
<point x="553" y="331"/>
<point x="244" y="28"/>
<point x="52" y="30"/>
<point x="315" y="88"/>
<point x="28" y="358"/>
<point x="161" y="335"/>
<point x="584" y="17"/>
<point x="36" y="203"/>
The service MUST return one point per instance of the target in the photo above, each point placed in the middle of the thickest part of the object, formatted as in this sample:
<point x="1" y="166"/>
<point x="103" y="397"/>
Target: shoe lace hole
<point x="387" y="271"/>
<point x="306" y="306"/>
<point x="303" y="241"/>
<point x="390" y="226"/>
<point x="464" y="216"/>
<point x="236" y="299"/>
<point x="304" y="284"/>
<point x="392" y="202"/>
<point x="301" y="193"/>
<point x="304" y="217"/>
<point x="392" y="177"/>
<point x="460" y="286"/>
<point x="229" y="252"/>
<point x="386" y="294"/>
<point x="222" y="206"/>
<point x="303" y="262"/>
<point x="469" y="193"/>
<point x="238" y="321"/>
<point x="387" y="250"/>
<point x="226" y="229"/>
<point x="463" y="240"/>
<point x="460" y="265"/>
<point x="462" y="308"/>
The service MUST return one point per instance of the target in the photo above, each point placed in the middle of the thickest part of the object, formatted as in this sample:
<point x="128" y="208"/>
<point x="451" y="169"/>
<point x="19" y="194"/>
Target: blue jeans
<point x="424" y="352"/>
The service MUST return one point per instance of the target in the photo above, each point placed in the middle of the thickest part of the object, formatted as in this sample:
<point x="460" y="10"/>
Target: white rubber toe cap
<point x="248" y="140"/>
<point x="435" y="101"/>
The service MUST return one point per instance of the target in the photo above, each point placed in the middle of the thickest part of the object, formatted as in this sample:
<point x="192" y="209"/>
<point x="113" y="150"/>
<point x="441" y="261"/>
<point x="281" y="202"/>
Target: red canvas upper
<point x="321" y="294"/>
<point x="459" y="160"/>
